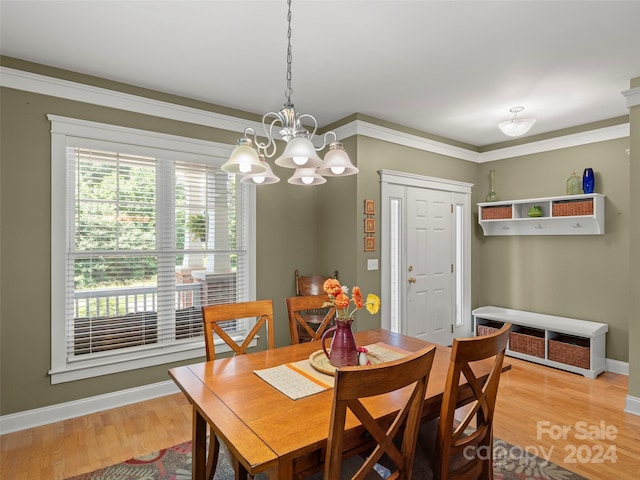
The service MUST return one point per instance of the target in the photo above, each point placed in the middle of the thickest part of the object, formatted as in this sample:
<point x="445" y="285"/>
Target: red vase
<point x="343" y="351"/>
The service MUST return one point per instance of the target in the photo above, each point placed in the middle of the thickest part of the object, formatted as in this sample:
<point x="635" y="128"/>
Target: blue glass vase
<point x="588" y="181"/>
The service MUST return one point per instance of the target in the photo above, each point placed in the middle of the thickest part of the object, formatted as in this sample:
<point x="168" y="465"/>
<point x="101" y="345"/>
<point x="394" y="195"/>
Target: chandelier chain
<point x="297" y="130"/>
<point x="289" y="55"/>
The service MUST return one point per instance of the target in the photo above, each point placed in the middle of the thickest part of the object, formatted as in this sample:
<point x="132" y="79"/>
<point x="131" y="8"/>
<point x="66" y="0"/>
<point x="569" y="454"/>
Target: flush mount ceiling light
<point x="299" y="153"/>
<point x="516" y="126"/>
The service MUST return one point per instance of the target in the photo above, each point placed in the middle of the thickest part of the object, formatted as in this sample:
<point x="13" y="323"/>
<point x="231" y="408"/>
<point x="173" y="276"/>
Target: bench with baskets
<point x="567" y="343"/>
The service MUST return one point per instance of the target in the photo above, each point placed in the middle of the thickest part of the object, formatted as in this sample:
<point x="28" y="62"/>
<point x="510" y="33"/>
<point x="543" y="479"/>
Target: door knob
<point x="412" y="280"/>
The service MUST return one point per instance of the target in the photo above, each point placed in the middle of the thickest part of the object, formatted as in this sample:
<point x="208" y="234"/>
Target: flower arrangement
<point x="339" y="298"/>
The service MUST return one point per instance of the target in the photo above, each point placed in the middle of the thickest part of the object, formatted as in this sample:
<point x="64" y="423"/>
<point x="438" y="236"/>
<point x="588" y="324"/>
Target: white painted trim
<point x="616" y="366"/>
<point x="31" y="82"/>
<point x="393" y="188"/>
<point x="632" y="96"/>
<point x="422" y="181"/>
<point x="41" y="84"/>
<point x="196" y="148"/>
<point x="70" y="131"/>
<point x="632" y="405"/>
<point x="64" y="411"/>
<point x="385" y="134"/>
<point x="77" y="408"/>
<point x="566" y="141"/>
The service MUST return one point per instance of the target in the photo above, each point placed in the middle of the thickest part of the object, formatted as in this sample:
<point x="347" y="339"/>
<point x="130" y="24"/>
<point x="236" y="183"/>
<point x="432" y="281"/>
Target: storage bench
<point x="567" y="343"/>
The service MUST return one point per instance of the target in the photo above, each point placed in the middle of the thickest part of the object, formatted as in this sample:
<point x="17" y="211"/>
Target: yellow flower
<point x="373" y="303"/>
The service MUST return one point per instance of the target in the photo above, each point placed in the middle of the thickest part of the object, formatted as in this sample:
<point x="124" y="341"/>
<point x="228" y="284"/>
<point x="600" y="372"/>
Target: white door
<point x="425" y="241"/>
<point x="429" y="265"/>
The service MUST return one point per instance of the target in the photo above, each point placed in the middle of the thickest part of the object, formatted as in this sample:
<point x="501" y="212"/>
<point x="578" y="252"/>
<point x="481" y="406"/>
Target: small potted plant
<point x="197" y="226"/>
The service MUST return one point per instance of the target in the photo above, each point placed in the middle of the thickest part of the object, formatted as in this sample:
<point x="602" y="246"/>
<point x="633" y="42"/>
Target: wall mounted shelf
<point x="566" y="215"/>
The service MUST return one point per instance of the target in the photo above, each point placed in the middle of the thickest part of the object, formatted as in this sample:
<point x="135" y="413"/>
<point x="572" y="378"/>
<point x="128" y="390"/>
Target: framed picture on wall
<point x="369" y="207"/>
<point x="369" y="244"/>
<point x="369" y="225"/>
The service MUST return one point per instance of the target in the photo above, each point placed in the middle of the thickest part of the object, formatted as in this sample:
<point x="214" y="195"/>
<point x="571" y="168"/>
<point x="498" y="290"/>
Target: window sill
<point x="106" y="366"/>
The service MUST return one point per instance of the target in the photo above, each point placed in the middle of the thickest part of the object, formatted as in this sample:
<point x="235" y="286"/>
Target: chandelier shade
<point x="516" y="126"/>
<point x="244" y="159"/>
<point x="262" y="178"/>
<point x="306" y="176"/>
<point x="300" y="152"/>
<point x="336" y="162"/>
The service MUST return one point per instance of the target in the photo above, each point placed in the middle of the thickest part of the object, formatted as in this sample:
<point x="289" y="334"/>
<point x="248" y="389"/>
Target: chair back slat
<point x="307" y="315"/>
<point x="408" y="375"/>
<point x="214" y="315"/>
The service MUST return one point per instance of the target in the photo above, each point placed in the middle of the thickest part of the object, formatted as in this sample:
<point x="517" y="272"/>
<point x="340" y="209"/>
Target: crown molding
<point x="55" y="87"/>
<point x="41" y="84"/>
<point x="550" y="144"/>
<point x="359" y="127"/>
<point x="633" y="97"/>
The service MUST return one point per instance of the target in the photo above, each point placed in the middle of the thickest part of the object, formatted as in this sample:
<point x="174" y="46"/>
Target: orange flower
<point x="357" y="297"/>
<point x="332" y="287"/>
<point x="339" y="298"/>
<point x="342" y="301"/>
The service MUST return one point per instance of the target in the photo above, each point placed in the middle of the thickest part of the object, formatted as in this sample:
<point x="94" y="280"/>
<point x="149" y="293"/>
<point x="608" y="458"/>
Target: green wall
<point x="316" y="229"/>
<point x="375" y="155"/>
<point x="583" y="277"/>
<point x="286" y="240"/>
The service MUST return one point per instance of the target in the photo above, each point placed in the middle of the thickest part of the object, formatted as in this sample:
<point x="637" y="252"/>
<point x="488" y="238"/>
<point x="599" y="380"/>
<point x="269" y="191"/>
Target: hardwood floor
<point x="534" y="403"/>
<point x="71" y="447"/>
<point x="600" y="441"/>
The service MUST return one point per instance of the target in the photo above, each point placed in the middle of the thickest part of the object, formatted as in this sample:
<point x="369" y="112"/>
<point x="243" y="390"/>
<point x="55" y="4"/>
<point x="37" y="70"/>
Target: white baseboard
<point x="616" y="366"/>
<point x="632" y="405"/>
<point x="63" y="411"/>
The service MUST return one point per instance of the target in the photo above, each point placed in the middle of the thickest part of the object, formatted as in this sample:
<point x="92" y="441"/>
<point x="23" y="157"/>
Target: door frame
<point x="393" y="188"/>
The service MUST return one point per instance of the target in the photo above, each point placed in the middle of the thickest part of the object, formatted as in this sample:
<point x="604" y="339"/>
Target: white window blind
<point x="152" y="234"/>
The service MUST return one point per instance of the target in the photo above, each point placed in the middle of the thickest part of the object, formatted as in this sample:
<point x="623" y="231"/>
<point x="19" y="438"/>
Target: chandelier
<point x="517" y="125"/>
<point x="250" y="155"/>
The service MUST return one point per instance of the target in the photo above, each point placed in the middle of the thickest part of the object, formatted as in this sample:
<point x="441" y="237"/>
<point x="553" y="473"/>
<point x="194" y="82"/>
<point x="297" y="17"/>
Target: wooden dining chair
<point x="308" y="319"/>
<point x="353" y="387"/>
<point x="463" y="450"/>
<point x="214" y="317"/>
<point x="311" y="284"/>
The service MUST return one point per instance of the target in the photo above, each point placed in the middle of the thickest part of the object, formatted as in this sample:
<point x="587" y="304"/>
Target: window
<point x="146" y="228"/>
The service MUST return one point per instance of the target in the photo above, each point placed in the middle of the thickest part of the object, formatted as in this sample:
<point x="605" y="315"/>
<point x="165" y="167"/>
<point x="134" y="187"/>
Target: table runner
<point x="299" y="379"/>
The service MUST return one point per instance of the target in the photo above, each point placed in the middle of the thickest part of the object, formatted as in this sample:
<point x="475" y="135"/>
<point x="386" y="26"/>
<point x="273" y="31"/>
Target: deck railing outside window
<point x="104" y="318"/>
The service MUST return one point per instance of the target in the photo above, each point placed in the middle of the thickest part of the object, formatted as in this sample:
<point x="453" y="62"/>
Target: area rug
<point x="174" y="463"/>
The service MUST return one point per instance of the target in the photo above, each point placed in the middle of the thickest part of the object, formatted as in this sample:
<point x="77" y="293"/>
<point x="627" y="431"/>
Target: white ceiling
<point x="449" y="68"/>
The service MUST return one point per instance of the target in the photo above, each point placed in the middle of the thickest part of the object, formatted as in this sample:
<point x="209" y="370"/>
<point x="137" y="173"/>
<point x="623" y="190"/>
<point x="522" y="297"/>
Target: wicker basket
<point x="527" y="340"/>
<point x="570" y="350"/>
<point x="487" y="328"/>
<point x="568" y="208"/>
<point x="496" y="213"/>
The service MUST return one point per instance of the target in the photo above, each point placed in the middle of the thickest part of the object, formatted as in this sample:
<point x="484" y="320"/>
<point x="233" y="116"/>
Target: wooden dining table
<point x="265" y="430"/>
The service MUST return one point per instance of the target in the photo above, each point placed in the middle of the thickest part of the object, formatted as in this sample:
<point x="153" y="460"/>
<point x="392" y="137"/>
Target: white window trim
<point x="62" y="128"/>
